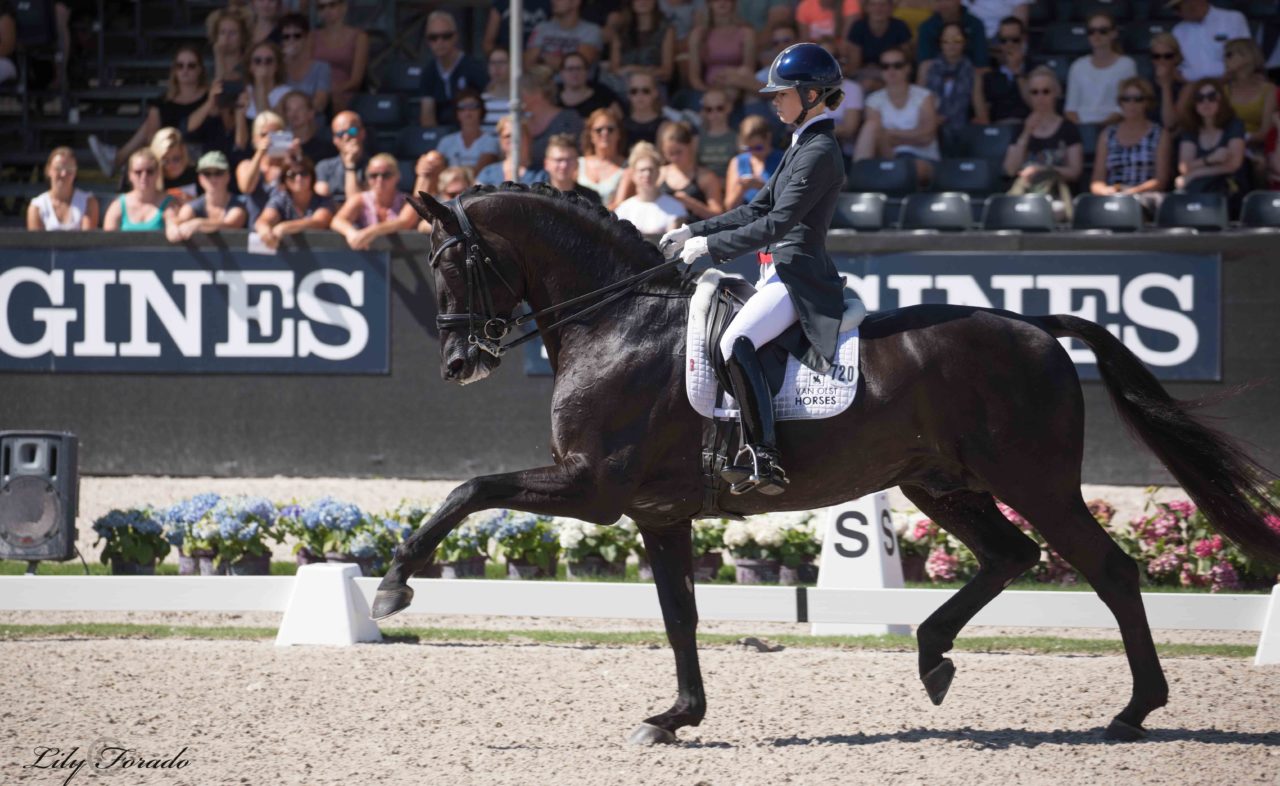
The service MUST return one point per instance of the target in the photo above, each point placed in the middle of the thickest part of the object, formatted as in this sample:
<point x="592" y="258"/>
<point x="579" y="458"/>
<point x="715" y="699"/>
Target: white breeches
<point x="764" y="316"/>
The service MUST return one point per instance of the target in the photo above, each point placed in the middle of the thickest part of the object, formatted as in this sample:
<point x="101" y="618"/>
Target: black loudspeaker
<point x="39" y="495"/>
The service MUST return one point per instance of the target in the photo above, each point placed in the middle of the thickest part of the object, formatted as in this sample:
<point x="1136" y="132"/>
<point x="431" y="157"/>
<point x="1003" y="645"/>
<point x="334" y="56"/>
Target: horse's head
<point x="476" y="291"/>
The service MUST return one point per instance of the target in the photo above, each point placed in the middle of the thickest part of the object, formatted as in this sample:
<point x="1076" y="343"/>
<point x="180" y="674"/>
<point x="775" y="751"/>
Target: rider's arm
<point x="808" y="181"/>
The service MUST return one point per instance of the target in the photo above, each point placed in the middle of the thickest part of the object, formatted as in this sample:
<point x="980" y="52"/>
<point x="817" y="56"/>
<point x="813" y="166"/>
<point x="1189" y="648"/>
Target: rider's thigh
<point x="764" y="317"/>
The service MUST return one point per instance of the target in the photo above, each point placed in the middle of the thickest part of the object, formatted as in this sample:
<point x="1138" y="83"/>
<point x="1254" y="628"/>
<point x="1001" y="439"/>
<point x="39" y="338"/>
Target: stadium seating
<point x="888" y="176"/>
<point x="1110" y="213"/>
<point x="990" y="142"/>
<point x="1201" y="212"/>
<point x="1022" y="212"/>
<point x="941" y="212"/>
<point x="414" y="140"/>
<point x="1261" y="210"/>
<point x="382" y="111"/>
<point x="1138" y="35"/>
<point x="402" y="76"/>
<point x="1119" y="10"/>
<point x="973" y="176"/>
<point x="1066" y="38"/>
<point x="864" y="212"/>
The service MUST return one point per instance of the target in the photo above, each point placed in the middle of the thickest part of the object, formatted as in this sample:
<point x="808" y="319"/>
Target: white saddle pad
<point x="805" y="393"/>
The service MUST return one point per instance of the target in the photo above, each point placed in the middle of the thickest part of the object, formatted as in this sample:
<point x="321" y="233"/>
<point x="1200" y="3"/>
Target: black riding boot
<point x="756" y="465"/>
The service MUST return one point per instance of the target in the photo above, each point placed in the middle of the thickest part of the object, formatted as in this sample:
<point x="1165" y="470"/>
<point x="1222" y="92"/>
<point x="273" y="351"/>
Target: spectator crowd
<point x="650" y="109"/>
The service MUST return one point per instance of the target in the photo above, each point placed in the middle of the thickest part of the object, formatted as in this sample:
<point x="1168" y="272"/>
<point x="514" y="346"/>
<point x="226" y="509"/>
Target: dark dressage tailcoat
<point x="789" y="218"/>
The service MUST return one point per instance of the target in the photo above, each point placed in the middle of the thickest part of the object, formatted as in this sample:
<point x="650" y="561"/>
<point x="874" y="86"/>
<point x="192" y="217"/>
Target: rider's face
<point x="787" y="104"/>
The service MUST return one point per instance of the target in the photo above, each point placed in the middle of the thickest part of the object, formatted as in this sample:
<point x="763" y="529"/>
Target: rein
<point x="492" y="328"/>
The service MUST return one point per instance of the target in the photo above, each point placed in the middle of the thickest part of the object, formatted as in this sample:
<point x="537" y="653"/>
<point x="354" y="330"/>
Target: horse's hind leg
<point x="670" y="554"/>
<point x="1003" y="553"/>
<point x="1070" y="529"/>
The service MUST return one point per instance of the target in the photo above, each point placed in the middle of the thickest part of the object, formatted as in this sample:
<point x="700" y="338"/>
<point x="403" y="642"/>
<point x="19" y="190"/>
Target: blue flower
<point x="362" y="545"/>
<point x="330" y="514"/>
<point x="140" y="521"/>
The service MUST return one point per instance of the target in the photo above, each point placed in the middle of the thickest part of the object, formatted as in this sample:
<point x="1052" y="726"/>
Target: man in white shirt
<point x="1201" y="34"/>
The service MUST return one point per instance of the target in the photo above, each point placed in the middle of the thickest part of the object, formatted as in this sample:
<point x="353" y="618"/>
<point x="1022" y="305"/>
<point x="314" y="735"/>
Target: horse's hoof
<point x="1124" y="732"/>
<point x="648" y="734"/>
<point x="938" y="681"/>
<point x="391" y="601"/>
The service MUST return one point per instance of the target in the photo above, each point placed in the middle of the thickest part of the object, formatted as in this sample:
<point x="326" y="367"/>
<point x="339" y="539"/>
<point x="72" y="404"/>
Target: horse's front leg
<point x="554" y="491"/>
<point x="671" y="557"/>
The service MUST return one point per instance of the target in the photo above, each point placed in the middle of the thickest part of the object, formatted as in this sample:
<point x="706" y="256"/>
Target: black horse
<point x="958" y="406"/>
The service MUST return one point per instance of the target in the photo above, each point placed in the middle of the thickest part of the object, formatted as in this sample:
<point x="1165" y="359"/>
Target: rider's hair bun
<point x="834" y="98"/>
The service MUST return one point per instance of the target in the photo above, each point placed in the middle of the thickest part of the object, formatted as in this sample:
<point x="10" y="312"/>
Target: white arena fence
<point x="328" y="604"/>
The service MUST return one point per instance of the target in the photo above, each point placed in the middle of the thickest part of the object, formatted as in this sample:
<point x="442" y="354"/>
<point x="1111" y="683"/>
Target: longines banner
<point x="1166" y="308"/>
<point x="169" y="311"/>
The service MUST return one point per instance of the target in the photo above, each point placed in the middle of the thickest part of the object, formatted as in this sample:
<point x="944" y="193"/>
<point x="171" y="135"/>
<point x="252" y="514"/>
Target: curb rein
<point x="493" y="329"/>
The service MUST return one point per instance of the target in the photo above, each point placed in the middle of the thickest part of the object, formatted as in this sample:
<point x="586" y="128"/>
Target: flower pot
<point x="804" y="573"/>
<point x="913" y="568"/>
<point x="365" y="563"/>
<point x="524" y="569"/>
<point x="432" y="570"/>
<point x="250" y="565"/>
<point x="757" y="571"/>
<point x="705" y="568"/>
<point x="189" y="564"/>
<point x="121" y="567"/>
<point x="306" y="556"/>
<point x="595" y="566"/>
<point x="470" y="568"/>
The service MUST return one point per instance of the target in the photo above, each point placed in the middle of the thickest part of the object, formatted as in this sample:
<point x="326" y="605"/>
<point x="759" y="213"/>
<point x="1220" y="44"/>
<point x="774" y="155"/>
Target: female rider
<point x="788" y="219"/>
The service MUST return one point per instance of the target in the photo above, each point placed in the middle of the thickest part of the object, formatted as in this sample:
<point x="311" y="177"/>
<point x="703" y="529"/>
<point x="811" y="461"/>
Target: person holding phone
<point x="295" y="207"/>
<point x="751" y="169"/>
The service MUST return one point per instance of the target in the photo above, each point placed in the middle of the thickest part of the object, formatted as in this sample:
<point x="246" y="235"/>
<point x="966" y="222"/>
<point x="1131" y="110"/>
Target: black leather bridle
<point x="486" y="330"/>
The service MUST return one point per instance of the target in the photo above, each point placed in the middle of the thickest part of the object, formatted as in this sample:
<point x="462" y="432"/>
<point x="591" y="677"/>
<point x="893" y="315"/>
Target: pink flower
<point x="1208" y="547"/>
<point x="941" y="566"/>
<point x="1223" y="576"/>
<point x="1182" y="507"/>
<point x="1164" y="566"/>
<point x="1189" y="578"/>
<point x="924" y="529"/>
<point x="1273" y="521"/>
<point x="1102" y="511"/>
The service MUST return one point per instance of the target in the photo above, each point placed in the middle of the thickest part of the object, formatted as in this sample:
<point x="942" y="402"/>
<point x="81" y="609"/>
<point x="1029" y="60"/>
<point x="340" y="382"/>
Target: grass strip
<point x="653" y="639"/>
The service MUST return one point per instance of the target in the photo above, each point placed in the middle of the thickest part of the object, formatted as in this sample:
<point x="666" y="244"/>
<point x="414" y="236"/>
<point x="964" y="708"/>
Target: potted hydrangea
<point x="755" y="546"/>
<point x="916" y="540"/>
<point x="179" y="521"/>
<point x="528" y="543"/>
<point x="323" y="530"/>
<point x="801" y="545"/>
<point x="133" y="541"/>
<point x="592" y="550"/>
<point x="244" y="525"/>
<point x="464" y="551"/>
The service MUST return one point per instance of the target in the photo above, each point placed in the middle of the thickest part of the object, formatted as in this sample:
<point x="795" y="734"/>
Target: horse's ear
<point x="434" y="212"/>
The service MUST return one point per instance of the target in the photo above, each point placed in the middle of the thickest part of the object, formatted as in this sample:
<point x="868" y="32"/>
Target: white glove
<point x="673" y="241"/>
<point x="694" y="249"/>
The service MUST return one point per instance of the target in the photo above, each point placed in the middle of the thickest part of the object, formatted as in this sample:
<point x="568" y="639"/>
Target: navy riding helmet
<point x="804" y="66"/>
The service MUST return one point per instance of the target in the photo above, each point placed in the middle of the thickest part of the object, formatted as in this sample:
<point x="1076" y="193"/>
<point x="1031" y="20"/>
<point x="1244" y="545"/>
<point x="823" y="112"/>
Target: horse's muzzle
<point x="465" y="366"/>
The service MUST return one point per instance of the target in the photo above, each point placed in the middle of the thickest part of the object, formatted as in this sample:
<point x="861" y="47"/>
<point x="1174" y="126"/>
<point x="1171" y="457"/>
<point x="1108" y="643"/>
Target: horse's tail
<point x="1227" y="484"/>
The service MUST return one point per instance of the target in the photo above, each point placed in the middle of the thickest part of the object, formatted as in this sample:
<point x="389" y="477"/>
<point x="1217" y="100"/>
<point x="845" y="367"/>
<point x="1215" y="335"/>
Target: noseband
<point x="486" y="330"/>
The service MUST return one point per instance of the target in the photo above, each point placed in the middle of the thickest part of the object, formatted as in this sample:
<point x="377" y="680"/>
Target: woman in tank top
<point x="902" y="119"/>
<point x="379" y="210"/>
<point x="63" y="207"/>
<point x="724" y="45"/>
<point x="697" y="188"/>
<point x="344" y="48"/>
<point x="145" y="208"/>
<point x="602" y="163"/>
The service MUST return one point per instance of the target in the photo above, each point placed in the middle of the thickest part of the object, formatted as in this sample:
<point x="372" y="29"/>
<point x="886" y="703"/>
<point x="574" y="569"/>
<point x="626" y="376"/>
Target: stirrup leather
<point x="761" y="472"/>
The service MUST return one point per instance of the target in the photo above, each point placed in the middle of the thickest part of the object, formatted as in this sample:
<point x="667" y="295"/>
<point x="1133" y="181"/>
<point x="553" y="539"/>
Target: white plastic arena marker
<point x="327" y="608"/>
<point x="860" y="551"/>
<point x="1269" y="642"/>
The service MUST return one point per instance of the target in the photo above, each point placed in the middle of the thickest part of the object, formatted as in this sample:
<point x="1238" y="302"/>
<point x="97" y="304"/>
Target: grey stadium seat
<point x="378" y="111"/>
<point x="973" y="176"/>
<point x="888" y="176"/>
<point x="1023" y="212"/>
<point x="862" y="212"/>
<point x="943" y="212"/>
<point x="1202" y="212"/>
<point x="1261" y="209"/>
<point x="1113" y="213"/>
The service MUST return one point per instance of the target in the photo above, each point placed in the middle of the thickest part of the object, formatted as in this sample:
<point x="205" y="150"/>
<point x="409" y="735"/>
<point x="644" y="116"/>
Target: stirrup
<point x="762" y="473"/>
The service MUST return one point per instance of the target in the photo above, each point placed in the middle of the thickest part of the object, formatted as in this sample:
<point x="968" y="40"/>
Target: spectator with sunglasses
<point x="957" y="89"/>
<point x="185" y="95"/>
<point x="302" y="71"/>
<point x="717" y="140"/>
<point x="929" y="36"/>
<point x="381" y="209"/>
<point x="1094" y="79"/>
<point x="1252" y="95"/>
<point x="578" y="92"/>
<point x="448" y="71"/>
<point x="294" y="208"/>
<point x="1048" y="156"/>
<point x="343" y="175"/>
<point x="1133" y="155"/>
<point x="902" y="119"/>
<point x="646" y="111"/>
<point x="1166" y="62"/>
<point x="344" y="48"/>
<point x="1211" y="151"/>
<point x="747" y="173"/>
<point x="300" y="116"/>
<point x="604" y="159"/>
<point x="497" y="95"/>
<point x="566" y="31"/>
<point x="1004" y="88"/>
<point x="470" y="145"/>
<point x="145" y="207"/>
<point x="217" y="208"/>
<point x="267" y="79"/>
<point x="874" y="32"/>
